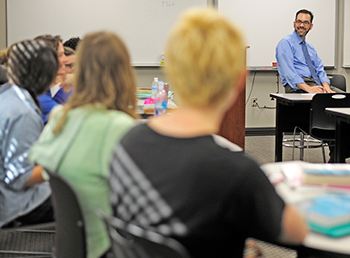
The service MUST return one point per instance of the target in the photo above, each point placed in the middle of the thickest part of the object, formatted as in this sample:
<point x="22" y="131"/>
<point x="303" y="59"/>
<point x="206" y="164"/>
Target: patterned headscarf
<point x="32" y="65"/>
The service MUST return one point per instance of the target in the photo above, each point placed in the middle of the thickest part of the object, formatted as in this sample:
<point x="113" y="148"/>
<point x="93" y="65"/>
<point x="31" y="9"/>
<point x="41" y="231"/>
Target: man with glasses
<point x="299" y="66"/>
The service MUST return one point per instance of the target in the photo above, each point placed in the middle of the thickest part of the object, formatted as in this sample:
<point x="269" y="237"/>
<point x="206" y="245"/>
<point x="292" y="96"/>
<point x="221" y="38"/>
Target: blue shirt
<point x="47" y="102"/>
<point x="20" y="127"/>
<point x="291" y="62"/>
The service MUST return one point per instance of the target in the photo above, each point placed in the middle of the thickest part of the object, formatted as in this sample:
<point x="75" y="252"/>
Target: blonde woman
<point x="174" y="176"/>
<point x="81" y="134"/>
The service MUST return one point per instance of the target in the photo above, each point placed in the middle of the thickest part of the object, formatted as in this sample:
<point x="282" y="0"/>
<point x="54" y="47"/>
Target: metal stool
<point x="305" y="142"/>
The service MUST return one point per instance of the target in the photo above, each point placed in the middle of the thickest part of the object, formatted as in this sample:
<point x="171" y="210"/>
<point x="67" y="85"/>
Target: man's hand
<point x="316" y="89"/>
<point x="326" y="88"/>
<point x="311" y="89"/>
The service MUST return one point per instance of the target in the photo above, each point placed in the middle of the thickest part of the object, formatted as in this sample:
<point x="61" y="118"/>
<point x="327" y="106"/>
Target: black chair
<point x="305" y="141"/>
<point x="3" y="77"/>
<point x="23" y="237"/>
<point x="322" y="125"/>
<point x="338" y="81"/>
<point x="70" y="230"/>
<point x="130" y="241"/>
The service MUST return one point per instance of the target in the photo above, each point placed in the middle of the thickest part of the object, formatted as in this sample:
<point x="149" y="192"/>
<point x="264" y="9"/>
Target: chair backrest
<point x="70" y="230"/>
<point x="338" y="80"/>
<point x="322" y="125"/>
<point x="130" y="241"/>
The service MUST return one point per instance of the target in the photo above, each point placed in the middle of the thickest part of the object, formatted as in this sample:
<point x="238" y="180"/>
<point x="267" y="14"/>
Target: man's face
<point x="62" y="60"/>
<point x="303" y="25"/>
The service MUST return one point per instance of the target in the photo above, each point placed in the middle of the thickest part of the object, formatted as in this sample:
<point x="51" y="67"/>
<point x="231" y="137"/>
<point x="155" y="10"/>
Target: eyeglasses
<point x="304" y="22"/>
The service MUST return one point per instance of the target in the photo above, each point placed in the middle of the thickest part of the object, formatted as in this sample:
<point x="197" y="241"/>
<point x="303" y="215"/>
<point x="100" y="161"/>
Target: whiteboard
<point x="266" y="22"/>
<point x="346" y="42"/>
<point x="143" y="24"/>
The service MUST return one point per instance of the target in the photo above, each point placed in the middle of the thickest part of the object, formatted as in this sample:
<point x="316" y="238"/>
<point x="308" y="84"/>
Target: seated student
<point x="56" y="94"/>
<point x="173" y="176"/>
<point x="81" y="134"/>
<point x="24" y="196"/>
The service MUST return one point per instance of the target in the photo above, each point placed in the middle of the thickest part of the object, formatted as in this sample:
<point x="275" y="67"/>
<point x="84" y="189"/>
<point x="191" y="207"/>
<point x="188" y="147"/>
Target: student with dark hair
<point x="24" y="196"/>
<point x="56" y="94"/>
<point x="81" y="134"/>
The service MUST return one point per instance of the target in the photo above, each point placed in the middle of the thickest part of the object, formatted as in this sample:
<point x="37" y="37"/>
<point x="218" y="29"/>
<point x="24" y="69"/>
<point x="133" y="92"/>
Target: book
<point x="334" y="175"/>
<point x="328" y="214"/>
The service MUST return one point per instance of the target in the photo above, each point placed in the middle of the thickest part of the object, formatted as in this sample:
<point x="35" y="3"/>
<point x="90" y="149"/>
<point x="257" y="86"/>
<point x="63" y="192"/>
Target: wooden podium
<point x="233" y="124"/>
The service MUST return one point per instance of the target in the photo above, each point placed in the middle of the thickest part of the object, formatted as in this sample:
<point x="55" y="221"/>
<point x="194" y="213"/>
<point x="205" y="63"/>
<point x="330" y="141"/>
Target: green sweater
<point x="81" y="152"/>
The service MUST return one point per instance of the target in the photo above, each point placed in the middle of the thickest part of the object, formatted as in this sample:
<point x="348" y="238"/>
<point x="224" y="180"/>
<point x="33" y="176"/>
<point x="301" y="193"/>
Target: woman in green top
<point x="78" y="140"/>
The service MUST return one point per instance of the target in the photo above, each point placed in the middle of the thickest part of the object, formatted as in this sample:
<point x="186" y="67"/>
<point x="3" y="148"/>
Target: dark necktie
<point x="309" y="63"/>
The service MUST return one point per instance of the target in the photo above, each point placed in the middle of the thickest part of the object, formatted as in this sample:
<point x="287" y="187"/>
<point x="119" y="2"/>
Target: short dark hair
<point x="72" y="43"/>
<point x="305" y="11"/>
<point x="32" y="65"/>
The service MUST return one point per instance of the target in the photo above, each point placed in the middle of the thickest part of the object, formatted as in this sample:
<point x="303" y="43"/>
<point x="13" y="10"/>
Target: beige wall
<point x="265" y="82"/>
<point x="2" y="24"/>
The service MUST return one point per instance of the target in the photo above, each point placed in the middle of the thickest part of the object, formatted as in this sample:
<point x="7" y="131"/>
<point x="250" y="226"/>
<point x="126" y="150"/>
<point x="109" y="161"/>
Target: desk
<point x="140" y="108"/>
<point x="314" y="242"/>
<point x="292" y="109"/>
<point x="342" y="131"/>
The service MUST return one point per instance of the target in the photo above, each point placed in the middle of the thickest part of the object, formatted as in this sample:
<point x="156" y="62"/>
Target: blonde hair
<point x="205" y="55"/>
<point x="103" y="74"/>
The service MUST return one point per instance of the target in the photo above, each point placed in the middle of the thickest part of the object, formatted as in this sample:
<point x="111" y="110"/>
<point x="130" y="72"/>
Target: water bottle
<point x="161" y="104"/>
<point x="166" y="89"/>
<point x="154" y="88"/>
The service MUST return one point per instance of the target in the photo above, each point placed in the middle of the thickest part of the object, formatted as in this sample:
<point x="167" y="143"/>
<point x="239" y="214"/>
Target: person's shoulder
<point x="224" y="143"/>
<point x="287" y="38"/>
<point x="230" y="152"/>
<point x="12" y="104"/>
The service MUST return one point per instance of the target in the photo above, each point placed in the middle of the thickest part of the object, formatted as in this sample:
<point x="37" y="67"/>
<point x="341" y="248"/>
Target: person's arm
<point x="294" y="228"/>
<point x="23" y="130"/>
<point x="286" y="69"/>
<point x="37" y="176"/>
<point x="321" y="73"/>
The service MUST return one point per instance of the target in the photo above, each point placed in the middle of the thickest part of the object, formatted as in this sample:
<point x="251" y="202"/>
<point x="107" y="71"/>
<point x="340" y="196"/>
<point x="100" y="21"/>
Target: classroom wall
<point x="264" y="82"/>
<point x="2" y="24"/>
